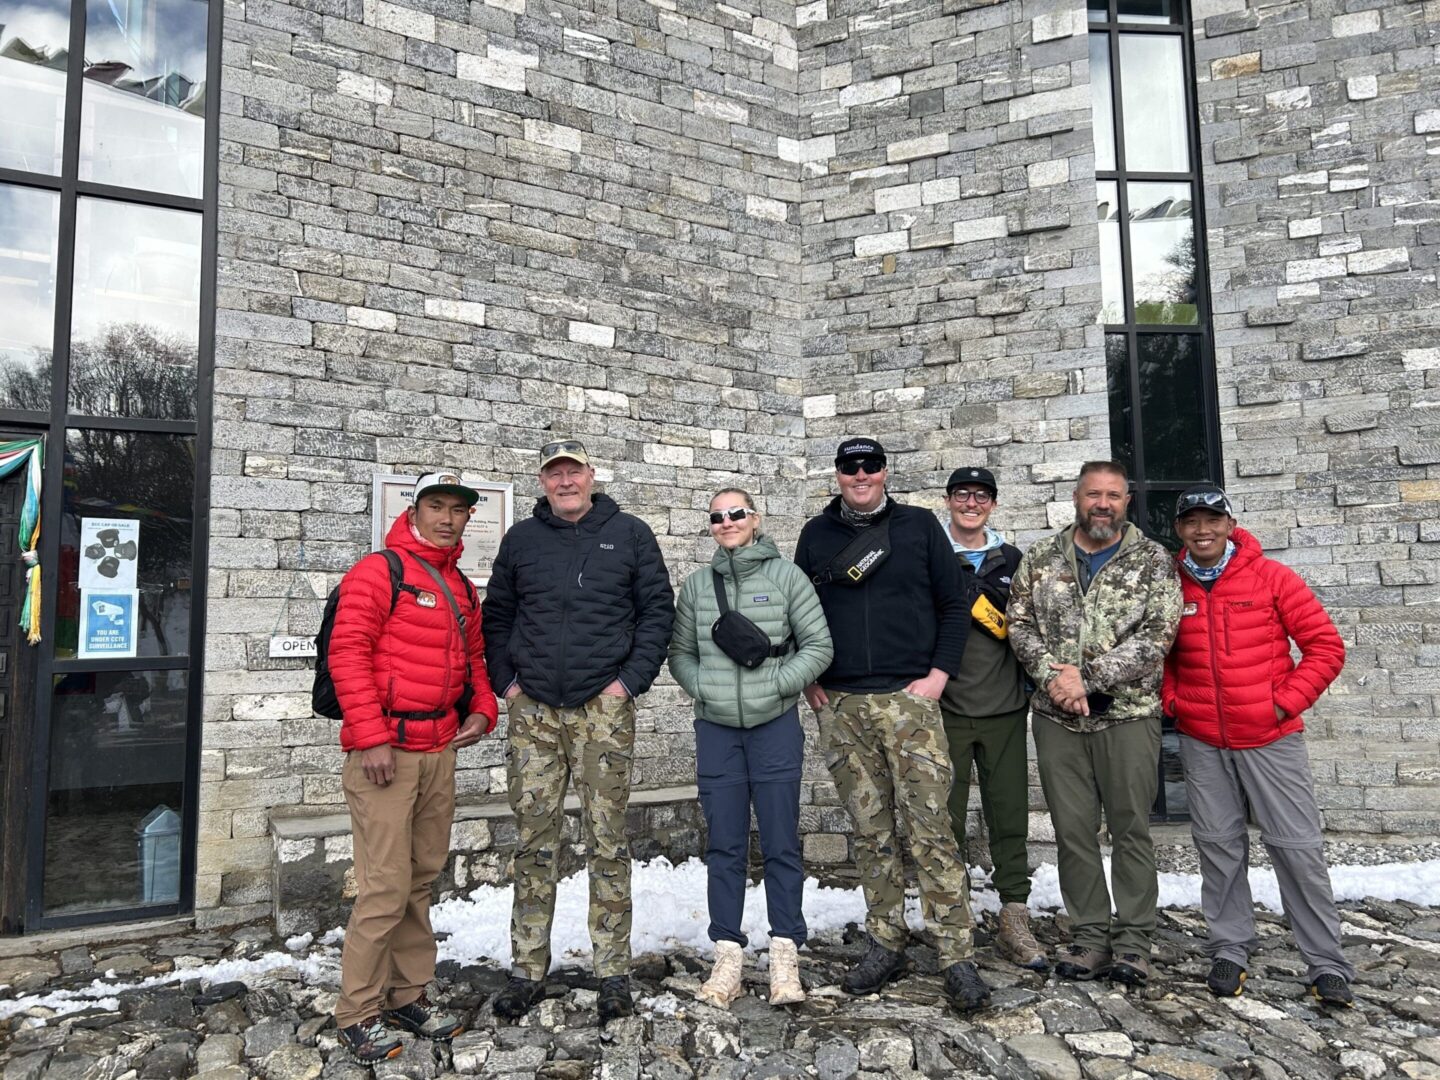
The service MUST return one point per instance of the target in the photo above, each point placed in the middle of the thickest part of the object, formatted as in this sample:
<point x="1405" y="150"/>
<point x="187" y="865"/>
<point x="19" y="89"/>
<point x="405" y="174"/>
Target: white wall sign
<point x="392" y="493"/>
<point x="292" y="646"/>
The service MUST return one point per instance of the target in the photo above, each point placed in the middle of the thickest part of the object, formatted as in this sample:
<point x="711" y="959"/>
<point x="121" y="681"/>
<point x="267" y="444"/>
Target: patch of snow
<point x="299" y="942"/>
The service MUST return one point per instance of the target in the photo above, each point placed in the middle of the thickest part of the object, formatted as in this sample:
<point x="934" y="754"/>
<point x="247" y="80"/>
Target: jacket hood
<point x="602" y="509"/>
<point x="402" y="538"/>
<point x="742" y="560"/>
<point x="1247" y="550"/>
<point x="994" y="538"/>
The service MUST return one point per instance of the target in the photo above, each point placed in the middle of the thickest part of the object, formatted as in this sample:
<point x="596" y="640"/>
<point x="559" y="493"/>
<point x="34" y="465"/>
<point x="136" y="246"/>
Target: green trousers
<point x="996" y="744"/>
<point x="1115" y="769"/>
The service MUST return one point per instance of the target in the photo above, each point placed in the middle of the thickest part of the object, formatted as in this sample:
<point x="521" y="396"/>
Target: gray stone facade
<point x="709" y="239"/>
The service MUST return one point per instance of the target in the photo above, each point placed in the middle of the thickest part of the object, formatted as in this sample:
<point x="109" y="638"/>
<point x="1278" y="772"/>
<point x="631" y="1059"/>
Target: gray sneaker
<point x="423" y="1019"/>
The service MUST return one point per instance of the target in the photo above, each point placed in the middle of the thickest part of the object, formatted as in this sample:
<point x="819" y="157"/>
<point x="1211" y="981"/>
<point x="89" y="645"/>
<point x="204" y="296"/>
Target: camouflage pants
<point x="889" y="757"/>
<point x="593" y="744"/>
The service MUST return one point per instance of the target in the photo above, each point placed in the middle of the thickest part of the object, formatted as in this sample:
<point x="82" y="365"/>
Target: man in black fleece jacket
<point x="899" y="616"/>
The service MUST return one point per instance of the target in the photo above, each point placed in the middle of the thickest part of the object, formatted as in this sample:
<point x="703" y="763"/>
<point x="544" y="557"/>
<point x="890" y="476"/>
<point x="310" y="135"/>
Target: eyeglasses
<point x="868" y="465"/>
<point x="570" y="447"/>
<point x="734" y="513"/>
<point x="979" y="498"/>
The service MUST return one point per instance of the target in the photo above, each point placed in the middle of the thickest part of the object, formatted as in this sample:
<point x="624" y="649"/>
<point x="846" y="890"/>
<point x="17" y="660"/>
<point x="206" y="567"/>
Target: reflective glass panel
<point x="1152" y="95"/>
<point x="1148" y="11"/>
<point x="1172" y="417"/>
<point x="134" y="339"/>
<point x="143" y="115"/>
<point x="34" y="49"/>
<point x="1172" y="773"/>
<point x="1122" y="418"/>
<point x="125" y="532"/>
<point x="1097" y="10"/>
<point x="1162" y="254"/>
<point x="117" y="786"/>
<point x="1159" y="524"/>
<point x="1102" y="104"/>
<point x="29" y="232"/>
<point x="1112" y="282"/>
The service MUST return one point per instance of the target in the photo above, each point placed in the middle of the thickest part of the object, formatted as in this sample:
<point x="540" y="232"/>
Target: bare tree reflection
<point x="129" y="369"/>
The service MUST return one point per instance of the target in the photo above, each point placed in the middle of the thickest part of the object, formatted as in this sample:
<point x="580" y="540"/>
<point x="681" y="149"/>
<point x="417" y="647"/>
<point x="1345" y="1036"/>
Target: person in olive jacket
<point x="749" y="747"/>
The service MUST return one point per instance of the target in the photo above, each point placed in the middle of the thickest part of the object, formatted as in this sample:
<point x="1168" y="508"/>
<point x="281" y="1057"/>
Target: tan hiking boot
<point x="723" y="986"/>
<point x="1078" y="962"/>
<point x="785" y="986"/>
<point x="1132" y="969"/>
<point x="1015" y="941"/>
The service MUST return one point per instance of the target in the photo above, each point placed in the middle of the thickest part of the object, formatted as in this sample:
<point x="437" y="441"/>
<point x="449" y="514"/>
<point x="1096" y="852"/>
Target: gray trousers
<point x="1275" y="782"/>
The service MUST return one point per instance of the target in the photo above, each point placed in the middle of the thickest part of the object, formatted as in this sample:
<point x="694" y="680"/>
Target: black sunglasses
<point x="868" y="465"/>
<point x="734" y="513"/>
<point x="551" y="448"/>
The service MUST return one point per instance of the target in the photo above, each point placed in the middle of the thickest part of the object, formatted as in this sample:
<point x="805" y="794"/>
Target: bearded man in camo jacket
<point x="1093" y="611"/>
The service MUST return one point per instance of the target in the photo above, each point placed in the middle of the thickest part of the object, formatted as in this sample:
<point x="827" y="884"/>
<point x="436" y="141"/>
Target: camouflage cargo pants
<point x="889" y="758"/>
<point x="593" y="744"/>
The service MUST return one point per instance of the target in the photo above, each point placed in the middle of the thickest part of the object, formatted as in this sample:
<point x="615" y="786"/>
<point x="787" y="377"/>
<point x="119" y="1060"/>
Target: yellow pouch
<point x="989" y="618"/>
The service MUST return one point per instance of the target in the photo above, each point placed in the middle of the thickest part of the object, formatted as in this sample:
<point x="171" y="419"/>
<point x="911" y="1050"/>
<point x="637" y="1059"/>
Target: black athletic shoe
<point x="964" y="987"/>
<point x="1227" y="978"/>
<point x="370" y="1041"/>
<point x="517" y="998"/>
<point x="1331" y="989"/>
<point x="876" y="968"/>
<point x="614" y="1000"/>
<point x="424" y="1019"/>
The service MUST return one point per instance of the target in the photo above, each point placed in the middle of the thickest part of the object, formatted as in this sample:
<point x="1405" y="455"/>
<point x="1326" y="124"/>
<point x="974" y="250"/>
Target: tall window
<point x="1155" y="304"/>
<point x="107" y="221"/>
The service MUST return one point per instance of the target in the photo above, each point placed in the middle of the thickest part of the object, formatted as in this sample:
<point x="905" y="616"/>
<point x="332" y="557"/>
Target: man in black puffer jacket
<point x="577" y="614"/>
<point x="899" y="615"/>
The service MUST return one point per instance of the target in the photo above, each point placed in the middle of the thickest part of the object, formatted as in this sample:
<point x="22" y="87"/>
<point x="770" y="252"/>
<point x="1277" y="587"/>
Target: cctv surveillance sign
<point x="109" y="553"/>
<point x="108" y="622"/>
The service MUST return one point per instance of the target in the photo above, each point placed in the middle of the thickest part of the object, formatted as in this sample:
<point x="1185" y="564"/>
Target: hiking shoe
<point x="518" y="996"/>
<point x="964" y="987"/>
<point x="875" y="969"/>
<point x="1131" y="969"/>
<point x="1078" y="962"/>
<point x="1015" y="941"/>
<point x="370" y="1041"/>
<point x="723" y="985"/>
<point x="423" y="1019"/>
<point x="1331" y="989"/>
<point x="1226" y="979"/>
<point x="615" y="1001"/>
<point x="785" y="985"/>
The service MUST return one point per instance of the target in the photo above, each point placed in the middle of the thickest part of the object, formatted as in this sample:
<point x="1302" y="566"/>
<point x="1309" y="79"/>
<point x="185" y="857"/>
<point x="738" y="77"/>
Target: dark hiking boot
<point x="1078" y="962"/>
<point x="1330" y="989"/>
<point x="1130" y="969"/>
<point x="964" y="987"/>
<point x="517" y="998"/>
<point x="370" y="1041"/>
<point x="1226" y="979"/>
<point x="614" y="1000"/>
<point x="423" y="1019"/>
<point x="876" y="968"/>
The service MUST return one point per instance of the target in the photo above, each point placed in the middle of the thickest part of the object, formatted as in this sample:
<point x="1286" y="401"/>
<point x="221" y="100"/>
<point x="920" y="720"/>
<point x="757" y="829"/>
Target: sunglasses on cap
<point x="1203" y="500"/>
<point x="568" y="447"/>
<point x="868" y="465"/>
<point x="734" y="513"/>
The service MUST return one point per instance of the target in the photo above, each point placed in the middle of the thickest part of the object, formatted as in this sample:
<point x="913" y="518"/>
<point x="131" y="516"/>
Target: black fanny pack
<point x="739" y="638"/>
<point x="859" y="559"/>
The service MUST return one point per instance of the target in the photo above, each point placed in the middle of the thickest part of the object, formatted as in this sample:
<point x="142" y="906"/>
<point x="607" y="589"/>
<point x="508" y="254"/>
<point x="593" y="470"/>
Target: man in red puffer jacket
<point x="399" y="675"/>
<point x="1238" y="699"/>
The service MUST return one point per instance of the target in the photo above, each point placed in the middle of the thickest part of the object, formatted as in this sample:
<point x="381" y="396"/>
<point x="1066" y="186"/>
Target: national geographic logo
<point x="857" y="571"/>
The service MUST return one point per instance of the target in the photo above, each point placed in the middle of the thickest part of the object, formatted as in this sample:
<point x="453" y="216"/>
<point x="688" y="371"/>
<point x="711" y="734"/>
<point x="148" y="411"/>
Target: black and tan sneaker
<point x="1331" y="989"/>
<point x="1226" y="979"/>
<point x="1130" y="969"/>
<point x="614" y="1000"/>
<point x="1083" y="964"/>
<point x="370" y="1041"/>
<point x="423" y="1019"/>
<point x="965" y="988"/>
<point x="876" y="968"/>
<point x="516" y="999"/>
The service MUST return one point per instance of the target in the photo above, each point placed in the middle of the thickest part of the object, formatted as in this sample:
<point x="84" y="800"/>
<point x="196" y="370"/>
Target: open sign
<point x="292" y="646"/>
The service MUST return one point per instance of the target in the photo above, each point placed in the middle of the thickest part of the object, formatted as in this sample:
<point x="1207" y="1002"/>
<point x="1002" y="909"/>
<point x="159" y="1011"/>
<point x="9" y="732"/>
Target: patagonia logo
<point x="868" y="560"/>
<point x="607" y="547"/>
<point x="1004" y="581"/>
<point x="760" y="599"/>
<point x="425" y="599"/>
<point x="1188" y="609"/>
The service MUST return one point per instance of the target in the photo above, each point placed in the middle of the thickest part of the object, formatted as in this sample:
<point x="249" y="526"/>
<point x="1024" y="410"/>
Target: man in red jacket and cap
<point x="400" y="674"/>
<point x="1238" y="700"/>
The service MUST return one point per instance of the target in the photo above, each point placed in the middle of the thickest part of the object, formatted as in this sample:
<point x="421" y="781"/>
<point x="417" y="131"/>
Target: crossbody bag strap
<point x="719" y="582"/>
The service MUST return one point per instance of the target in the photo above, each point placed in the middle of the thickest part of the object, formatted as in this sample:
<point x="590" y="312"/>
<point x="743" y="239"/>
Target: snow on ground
<point x="670" y="912"/>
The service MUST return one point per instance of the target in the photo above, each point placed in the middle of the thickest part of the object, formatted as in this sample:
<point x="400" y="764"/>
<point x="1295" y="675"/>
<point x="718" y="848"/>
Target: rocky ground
<point x="276" y="1023"/>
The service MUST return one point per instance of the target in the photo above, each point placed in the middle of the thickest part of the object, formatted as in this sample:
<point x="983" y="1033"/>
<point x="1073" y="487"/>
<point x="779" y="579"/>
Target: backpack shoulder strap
<point x="397" y="574"/>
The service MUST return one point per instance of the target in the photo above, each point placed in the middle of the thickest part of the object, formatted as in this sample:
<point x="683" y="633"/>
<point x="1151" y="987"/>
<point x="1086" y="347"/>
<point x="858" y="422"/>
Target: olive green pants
<point x="996" y="744"/>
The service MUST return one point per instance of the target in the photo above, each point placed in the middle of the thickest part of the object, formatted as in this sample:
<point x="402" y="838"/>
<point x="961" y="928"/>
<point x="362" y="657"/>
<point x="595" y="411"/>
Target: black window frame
<point x="55" y="424"/>
<point x="1144" y="491"/>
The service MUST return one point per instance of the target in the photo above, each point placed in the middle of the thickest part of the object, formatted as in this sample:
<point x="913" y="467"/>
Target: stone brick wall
<point x="1319" y="124"/>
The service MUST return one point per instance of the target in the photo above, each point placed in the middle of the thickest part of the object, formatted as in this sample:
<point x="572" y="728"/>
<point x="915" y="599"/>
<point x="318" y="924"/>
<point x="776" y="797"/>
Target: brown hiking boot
<point x="1131" y="969"/>
<point x="1078" y="962"/>
<point x="1015" y="942"/>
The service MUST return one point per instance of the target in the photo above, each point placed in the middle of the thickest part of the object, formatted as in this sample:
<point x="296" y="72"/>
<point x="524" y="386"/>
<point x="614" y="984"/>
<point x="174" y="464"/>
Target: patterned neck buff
<point x="860" y="518"/>
<point x="1210" y="573"/>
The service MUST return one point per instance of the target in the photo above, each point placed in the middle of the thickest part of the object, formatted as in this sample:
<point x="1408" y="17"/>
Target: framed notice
<point x="392" y="493"/>
<point x="109" y="622"/>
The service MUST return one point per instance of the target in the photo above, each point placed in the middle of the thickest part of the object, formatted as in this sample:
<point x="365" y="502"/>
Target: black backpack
<point x="322" y="692"/>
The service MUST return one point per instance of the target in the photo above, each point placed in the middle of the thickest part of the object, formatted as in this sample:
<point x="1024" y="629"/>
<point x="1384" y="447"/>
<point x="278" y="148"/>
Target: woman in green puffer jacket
<point x="749" y="747"/>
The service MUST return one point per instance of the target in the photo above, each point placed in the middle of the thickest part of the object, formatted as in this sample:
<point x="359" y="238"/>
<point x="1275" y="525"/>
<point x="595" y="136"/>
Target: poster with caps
<point x="393" y="493"/>
<point x="109" y="553"/>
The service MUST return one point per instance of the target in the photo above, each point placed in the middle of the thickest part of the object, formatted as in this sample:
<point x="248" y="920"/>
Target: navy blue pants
<point x="735" y="767"/>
